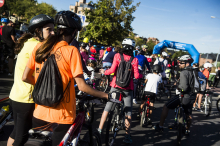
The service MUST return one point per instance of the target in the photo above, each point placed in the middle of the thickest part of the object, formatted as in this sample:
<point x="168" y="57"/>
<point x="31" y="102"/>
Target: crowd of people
<point x="76" y="61"/>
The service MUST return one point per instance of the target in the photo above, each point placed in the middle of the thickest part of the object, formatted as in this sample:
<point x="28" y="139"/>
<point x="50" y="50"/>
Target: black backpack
<point x="124" y="70"/>
<point x="161" y="64"/>
<point x="48" y="89"/>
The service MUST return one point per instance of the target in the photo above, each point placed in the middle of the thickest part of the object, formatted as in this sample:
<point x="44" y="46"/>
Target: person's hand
<point x="102" y="71"/>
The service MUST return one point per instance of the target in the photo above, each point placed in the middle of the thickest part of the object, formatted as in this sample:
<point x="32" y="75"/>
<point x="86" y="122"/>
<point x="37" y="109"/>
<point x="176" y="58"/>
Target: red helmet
<point x="169" y="65"/>
<point x="93" y="55"/>
<point x="109" y="49"/>
<point x="149" y="60"/>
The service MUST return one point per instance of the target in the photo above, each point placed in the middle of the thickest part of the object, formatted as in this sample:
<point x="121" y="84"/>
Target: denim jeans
<point x="106" y="64"/>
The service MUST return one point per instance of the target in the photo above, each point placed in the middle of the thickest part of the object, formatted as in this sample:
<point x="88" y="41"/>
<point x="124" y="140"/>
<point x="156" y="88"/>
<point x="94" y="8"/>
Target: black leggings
<point x="58" y="133"/>
<point x="22" y="114"/>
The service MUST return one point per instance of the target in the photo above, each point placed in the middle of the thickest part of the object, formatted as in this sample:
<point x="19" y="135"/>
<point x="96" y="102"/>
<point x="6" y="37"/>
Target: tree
<point x="179" y="53"/>
<point x="150" y="48"/>
<point x="110" y="20"/>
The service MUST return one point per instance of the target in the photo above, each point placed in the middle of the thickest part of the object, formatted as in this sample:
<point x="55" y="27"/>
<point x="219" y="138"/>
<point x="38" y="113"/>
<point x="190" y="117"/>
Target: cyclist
<point x="4" y="22"/>
<point x="8" y="37"/>
<point x="152" y="81"/>
<point x="136" y="52"/>
<point x="200" y="93"/>
<point x="127" y="51"/>
<point x="101" y="52"/>
<point x="144" y="48"/>
<point x="20" y="95"/>
<point x="186" y="76"/>
<point x="108" y="58"/>
<point x="84" y="52"/>
<point x="70" y="66"/>
<point x="163" y="61"/>
<point x="142" y="61"/>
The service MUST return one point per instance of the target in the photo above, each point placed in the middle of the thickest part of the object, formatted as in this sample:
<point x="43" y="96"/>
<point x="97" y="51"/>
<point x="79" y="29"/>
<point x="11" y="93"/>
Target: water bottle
<point x="4" y="110"/>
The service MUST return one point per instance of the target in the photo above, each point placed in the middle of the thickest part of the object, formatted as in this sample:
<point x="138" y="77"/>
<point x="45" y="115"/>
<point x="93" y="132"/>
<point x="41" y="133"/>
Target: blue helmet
<point x="102" y="47"/>
<point x="94" y="46"/>
<point x="4" y="20"/>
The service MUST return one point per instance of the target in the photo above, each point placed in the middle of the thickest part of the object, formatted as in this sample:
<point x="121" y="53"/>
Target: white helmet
<point x="128" y="43"/>
<point x="138" y="47"/>
<point x="164" y="54"/>
<point x="206" y="65"/>
<point x="144" y="46"/>
<point x="186" y="58"/>
<point x="13" y="19"/>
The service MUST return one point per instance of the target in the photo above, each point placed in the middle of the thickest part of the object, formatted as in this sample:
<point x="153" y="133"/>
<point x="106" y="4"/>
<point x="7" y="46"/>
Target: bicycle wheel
<point x="179" y="126"/>
<point x="218" y="104"/>
<point x="111" y="129"/>
<point x="89" y="113"/>
<point x="208" y="105"/>
<point x="95" y="136"/>
<point x="143" y="115"/>
<point x="103" y="84"/>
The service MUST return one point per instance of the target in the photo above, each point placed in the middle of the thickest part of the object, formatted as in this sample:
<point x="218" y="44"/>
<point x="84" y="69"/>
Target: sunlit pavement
<point x="204" y="131"/>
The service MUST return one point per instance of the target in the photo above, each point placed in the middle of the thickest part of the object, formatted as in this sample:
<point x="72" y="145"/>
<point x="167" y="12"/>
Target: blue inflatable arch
<point x="179" y="46"/>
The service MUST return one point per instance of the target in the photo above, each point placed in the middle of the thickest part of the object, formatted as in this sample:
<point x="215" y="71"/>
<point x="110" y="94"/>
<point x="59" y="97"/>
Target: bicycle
<point x="6" y="118"/>
<point x="104" y="83"/>
<point x="206" y="104"/>
<point x="145" y="111"/>
<point x="116" y="121"/>
<point x="180" y="120"/>
<point x="72" y="137"/>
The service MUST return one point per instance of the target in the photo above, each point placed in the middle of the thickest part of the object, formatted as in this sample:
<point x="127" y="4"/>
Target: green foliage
<point x="150" y="48"/>
<point x="27" y="8"/>
<point x="179" y="53"/>
<point x="110" y="21"/>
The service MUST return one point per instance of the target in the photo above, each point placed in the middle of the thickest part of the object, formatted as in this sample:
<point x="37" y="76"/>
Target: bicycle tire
<point x="218" y="104"/>
<point x="104" y="82"/>
<point x="110" y="133"/>
<point x="96" y="139"/>
<point x="209" y="102"/>
<point x="143" y="114"/>
<point x="89" y="117"/>
<point x="179" y="126"/>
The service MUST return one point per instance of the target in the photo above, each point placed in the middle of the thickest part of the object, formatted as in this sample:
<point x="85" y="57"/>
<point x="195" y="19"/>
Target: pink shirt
<point x="84" y="56"/>
<point x="101" y="53"/>
<point x="113" y="69"/>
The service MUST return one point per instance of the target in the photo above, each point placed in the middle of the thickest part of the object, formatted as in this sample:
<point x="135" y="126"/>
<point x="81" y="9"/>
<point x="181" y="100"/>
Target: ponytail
<point x="20" y="43"/>
<point x="44" y="50"/>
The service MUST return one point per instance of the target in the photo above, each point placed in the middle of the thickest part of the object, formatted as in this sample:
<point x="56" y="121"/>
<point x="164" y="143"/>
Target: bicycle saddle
<point x="45" y="131"/>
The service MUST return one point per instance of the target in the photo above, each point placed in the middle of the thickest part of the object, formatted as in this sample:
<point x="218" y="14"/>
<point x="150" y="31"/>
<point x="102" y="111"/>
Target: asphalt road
<point x="204" y="131"/>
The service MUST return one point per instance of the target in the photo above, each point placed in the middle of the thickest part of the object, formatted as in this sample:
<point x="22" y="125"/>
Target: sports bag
<point x="124" y="70"/>
<point x="161" y="64"/>
<point x="48" y="89"/>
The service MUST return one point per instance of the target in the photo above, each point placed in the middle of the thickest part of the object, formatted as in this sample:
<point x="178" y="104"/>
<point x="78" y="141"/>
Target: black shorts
<point x="58" y="133"/>
<point x="150" y="95"/>
<point x="175" y="101"/>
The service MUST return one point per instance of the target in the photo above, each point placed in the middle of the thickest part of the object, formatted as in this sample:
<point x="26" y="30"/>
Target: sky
<point x="185" y="21"/>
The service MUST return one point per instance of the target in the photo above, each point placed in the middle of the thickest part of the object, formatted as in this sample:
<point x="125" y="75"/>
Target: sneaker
<point x="10" y="74"/>
<point x="138" y="116"/>
<point x="199" y="110"/>
<point x="100" y="132"/>
<point x="149" y="122"/>
<point x="157" y="128"/>
<point x="187" y="132"/>
<point x="127" y="139"/>
<point x="134" y="101"/>
<point x="194" y="108"/>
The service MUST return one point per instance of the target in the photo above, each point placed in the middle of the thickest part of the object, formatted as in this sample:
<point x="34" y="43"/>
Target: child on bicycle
<point x="84" y="52"/>
<point x="152" y="81"/>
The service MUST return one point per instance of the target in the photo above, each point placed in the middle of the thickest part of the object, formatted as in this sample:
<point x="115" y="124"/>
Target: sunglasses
<point x="181" y="62"/>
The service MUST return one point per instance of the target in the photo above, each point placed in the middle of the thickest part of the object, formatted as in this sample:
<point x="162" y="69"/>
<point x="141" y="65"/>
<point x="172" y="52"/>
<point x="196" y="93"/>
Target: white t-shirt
<point x="165" y="65"/>
<point x="153" y="81"/>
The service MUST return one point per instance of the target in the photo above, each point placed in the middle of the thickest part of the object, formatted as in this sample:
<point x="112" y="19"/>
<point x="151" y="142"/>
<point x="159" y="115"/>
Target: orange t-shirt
<point x="206" y="73"/>
<point x="69" y="63"/>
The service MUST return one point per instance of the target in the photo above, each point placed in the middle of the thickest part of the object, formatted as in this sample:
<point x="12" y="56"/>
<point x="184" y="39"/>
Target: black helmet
<point x="39" y="21"/>
<point x="91" y="60"/>
<point x="157" y="68"/>
<point x="68" y="19"/>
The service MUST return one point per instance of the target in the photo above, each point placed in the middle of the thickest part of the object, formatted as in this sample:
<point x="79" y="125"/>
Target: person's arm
<point x="137" y="75"/>
<point x="147" y="64"/>
<point x="28" y="76"/>
<point x="114" y="66"/>
<point x="145" y="81"/>
<point x="13" y="38"/>
<point x="87" y="89"/>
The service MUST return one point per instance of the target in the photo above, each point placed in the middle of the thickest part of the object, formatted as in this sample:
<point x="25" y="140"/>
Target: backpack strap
<point x="122" y="57"/>
<point x="131" y="59"/>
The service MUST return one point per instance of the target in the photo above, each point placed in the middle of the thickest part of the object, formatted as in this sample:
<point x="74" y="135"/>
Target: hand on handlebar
<point x="102" y="71"/>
